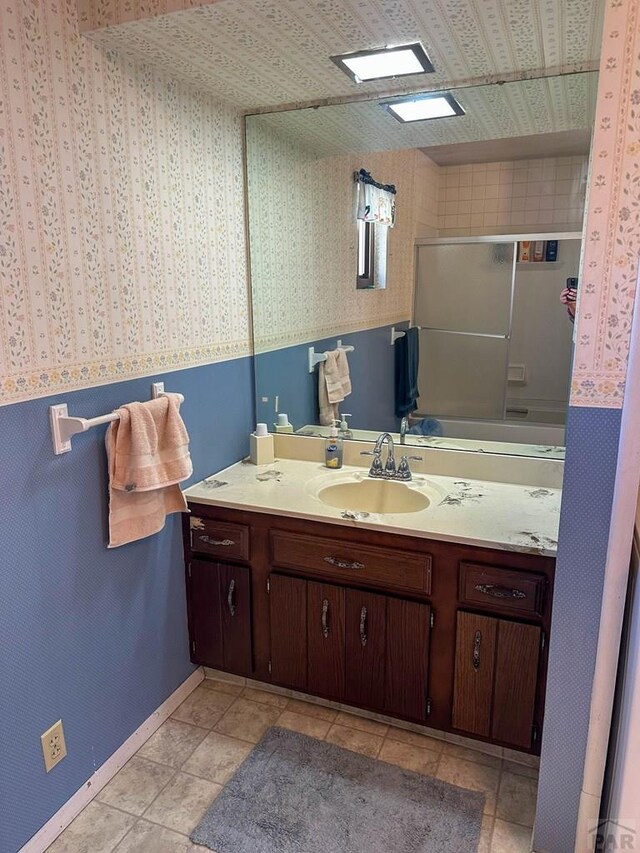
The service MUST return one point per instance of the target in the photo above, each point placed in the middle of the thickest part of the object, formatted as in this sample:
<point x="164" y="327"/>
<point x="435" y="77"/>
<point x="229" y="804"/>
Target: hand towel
<point x="407" y="352"/>
<point x="334" y="384"/>
<point x="148" y="453"/>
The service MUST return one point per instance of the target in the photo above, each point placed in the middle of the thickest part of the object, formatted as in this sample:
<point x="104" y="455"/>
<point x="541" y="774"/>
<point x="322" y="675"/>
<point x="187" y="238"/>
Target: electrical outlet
<point x="54" y="747"/>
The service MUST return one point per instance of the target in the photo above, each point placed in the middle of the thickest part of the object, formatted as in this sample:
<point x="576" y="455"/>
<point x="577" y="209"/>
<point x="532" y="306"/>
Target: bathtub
<point x="519" y="432"/>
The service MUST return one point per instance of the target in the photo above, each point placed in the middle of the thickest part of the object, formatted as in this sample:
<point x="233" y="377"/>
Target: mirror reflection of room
<point x="465" y="229"/>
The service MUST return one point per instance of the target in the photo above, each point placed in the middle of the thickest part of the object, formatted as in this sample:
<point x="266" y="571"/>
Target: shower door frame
<point x="489" y="238"/>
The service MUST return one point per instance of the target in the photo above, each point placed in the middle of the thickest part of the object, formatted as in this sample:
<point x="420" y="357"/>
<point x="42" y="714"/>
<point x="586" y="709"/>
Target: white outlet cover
<point x="54" y="747"/>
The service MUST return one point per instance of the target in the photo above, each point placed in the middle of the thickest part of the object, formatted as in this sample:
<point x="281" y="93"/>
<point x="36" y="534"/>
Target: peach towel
<point x="148" y="453"/>
<point x="334" y="384"/>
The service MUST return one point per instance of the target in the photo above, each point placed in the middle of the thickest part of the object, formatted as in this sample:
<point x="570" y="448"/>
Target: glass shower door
<point x="463" y="306"/>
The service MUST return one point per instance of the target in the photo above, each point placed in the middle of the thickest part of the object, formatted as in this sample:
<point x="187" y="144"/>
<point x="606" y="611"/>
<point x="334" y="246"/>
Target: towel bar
<point x="317" y="357"/>
<point x="63" y="426"/>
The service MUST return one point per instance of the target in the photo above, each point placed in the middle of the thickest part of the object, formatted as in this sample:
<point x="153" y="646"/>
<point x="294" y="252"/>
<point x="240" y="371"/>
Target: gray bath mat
<point x="295" y="794"/>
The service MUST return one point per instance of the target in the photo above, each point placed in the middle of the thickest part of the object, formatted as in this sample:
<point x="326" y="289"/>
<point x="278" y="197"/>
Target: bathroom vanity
<point x="439" y="617"/>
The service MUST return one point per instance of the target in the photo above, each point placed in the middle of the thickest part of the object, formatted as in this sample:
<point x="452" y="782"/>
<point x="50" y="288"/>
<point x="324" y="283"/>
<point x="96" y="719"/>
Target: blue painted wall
<point x="285" y="372"/>
<point x="590" y="469"/>
<point x="95" y="636"/>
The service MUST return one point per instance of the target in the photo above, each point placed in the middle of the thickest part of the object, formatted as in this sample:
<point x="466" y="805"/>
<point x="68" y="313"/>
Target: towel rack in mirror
<point x="317" y="357"/>
<point x="63" y="426"/>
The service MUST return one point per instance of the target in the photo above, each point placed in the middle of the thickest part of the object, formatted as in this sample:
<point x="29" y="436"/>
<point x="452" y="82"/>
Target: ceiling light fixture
<point x="425" y="107"/>
<point x="385" y="62"/>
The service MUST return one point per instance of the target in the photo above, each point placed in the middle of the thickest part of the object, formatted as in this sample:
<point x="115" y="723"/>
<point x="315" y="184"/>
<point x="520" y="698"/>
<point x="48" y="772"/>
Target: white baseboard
<point x="92" y="787"/>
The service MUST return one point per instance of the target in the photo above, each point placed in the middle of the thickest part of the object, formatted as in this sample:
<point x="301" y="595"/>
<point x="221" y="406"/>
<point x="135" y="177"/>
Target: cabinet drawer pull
<point x="497" y="591"/>
<point x="363" y="626"/>
<point x="230" y="594"/>
<point x="325" y="622"/>
<point x="476" y="650"/>
<point x="225" y="543"/>
<point x="343" y="564"/>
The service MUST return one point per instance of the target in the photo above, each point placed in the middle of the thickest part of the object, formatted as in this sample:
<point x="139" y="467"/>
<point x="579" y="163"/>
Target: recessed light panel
<point x="385" y="62"/>
<point x="424" y="108"/>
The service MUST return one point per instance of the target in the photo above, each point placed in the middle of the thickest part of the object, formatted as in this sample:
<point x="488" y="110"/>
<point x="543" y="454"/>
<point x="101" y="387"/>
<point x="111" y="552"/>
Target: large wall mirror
<point x="464" y="280"/>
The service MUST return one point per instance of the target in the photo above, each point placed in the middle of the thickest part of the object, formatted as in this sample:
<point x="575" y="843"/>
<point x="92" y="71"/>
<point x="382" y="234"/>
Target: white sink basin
<point x="374" y="496"/>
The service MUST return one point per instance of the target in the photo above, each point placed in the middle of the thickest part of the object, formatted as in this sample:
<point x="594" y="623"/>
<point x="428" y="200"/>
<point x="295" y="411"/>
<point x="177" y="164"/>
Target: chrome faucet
<point x="389" y="470"/>
<point x="404" y="428"/>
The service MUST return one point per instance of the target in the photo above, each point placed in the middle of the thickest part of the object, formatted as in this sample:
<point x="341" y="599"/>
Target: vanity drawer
<point x="380" y="567"/>
<point x="219" y="538"/>
<point x="502" y="589"/>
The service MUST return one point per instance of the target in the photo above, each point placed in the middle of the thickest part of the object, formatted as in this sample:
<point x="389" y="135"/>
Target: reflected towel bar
<point x="317" y="357"/>
<point x="63" y="426"/>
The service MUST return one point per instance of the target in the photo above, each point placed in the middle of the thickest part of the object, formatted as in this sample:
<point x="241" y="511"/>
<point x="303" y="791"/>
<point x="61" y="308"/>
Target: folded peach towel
<point x="148" y="453"/>
<point x="334" y="384"/>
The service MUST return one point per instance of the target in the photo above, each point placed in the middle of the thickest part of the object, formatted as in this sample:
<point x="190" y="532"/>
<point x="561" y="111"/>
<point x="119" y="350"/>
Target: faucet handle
<point x="367" y="453"/>
<point x="414" y="458"/>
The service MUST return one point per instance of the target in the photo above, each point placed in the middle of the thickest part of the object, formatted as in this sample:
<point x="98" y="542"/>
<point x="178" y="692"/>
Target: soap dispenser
<point x="345" y="432"/>
<point x="333" y="448"/>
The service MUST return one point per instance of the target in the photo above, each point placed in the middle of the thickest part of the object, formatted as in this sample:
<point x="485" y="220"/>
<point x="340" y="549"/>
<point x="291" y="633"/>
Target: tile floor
<point x="160" y="795"/>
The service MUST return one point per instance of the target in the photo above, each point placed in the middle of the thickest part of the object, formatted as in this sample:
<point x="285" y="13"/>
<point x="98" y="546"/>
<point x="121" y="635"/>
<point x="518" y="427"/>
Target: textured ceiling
<point x="522" y="109"/>
<point x="257" y="53"/>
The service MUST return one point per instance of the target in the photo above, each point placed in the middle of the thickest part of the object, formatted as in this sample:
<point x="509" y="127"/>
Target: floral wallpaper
<point x="121" y="214"/>
<point x="105" y="13"/>
<point x="612" y="227"/>
<point x="303" y="240"/>
<point x="465" y="39"/>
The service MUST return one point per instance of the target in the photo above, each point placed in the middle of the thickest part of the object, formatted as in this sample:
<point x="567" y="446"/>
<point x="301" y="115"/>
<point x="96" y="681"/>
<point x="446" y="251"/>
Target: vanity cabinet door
<point x="326" y="639"/>
<point x="220" y="615"/>
<point x="366" y="628"/>
<point x="496" y="678"/>
<point x="288" y="615"/>
<point x="407" y="658"/>
<point x="205" y="614"/>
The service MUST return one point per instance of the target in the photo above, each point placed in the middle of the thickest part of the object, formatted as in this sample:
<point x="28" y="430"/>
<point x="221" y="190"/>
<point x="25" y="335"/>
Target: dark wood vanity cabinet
<point x="447" y="635"/>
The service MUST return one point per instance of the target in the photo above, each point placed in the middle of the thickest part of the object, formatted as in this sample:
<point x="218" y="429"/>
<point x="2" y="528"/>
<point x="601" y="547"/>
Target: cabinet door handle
<point x="343" y="564"/>
<point x="363" y="626"/>
<point x="497" y="591"/>
<point x="325" y="620"/>
<point x="226" y="543"/>
<point x="230" y="595"/>
<point x="477" y="640"/>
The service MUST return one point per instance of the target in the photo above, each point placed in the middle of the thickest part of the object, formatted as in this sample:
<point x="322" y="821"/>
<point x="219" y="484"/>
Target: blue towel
<point x="407" y="352"/>
<point x="427" y="426"/>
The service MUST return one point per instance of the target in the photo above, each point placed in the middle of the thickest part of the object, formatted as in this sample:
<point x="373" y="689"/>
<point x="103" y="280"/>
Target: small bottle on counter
<point x="261" y="448"/>
<point x="333" y="448"/>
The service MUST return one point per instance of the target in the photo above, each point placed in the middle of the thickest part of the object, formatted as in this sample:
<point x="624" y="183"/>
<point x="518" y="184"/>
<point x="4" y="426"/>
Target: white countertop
<point x="506" y="516"/>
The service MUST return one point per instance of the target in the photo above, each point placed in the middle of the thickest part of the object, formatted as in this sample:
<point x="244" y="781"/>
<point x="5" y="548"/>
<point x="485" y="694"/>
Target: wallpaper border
<point x="612" y="225"/>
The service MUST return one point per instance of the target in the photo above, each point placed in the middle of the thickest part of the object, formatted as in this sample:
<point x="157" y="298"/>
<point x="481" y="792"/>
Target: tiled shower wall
<point x="515" y="195"/>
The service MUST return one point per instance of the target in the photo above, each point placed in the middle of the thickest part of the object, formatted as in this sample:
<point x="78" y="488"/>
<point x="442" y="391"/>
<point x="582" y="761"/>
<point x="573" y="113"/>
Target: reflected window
<point x="366" y="254"/>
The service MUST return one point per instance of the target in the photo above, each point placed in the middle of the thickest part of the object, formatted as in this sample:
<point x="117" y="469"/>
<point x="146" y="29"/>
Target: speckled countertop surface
<point x="506" y="516"/>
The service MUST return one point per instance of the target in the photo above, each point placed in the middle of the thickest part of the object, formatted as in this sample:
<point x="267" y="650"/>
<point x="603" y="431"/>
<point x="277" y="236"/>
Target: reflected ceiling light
<point x="440" y="105"/>
<point x="385" y="62"/>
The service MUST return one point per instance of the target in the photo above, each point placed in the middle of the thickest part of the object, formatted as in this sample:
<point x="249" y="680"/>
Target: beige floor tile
<point x="203" y="707"/>
<point x="486" y="832"/>
<point x="247" y="720"/>
<point x="150" y="838"/>
<point x="310" y="709"/>
<point x="520" y="769"/>
<point x="472" y="755"/>
<point x="510" y="838"/>
<point x="475" y="745"/>
<point x="173" y="743"/>
<point x="134" y="787"/>
<point x="353" y="721"/>
<point x="415" y="739"/>
<point x="517" y="799"/>
<point x="521" y="757"/>
<point x="183" y="802"/>
<point x="98" y="828"/>
<point x="265" y="697"/>
<point x="222" y="686"/>
<point x="475" y="777"/>
<point x="306" y="725"/>
<point x="355" y="740"/>
<point x="410" y="757"/>
<point x="217" y="758"/>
